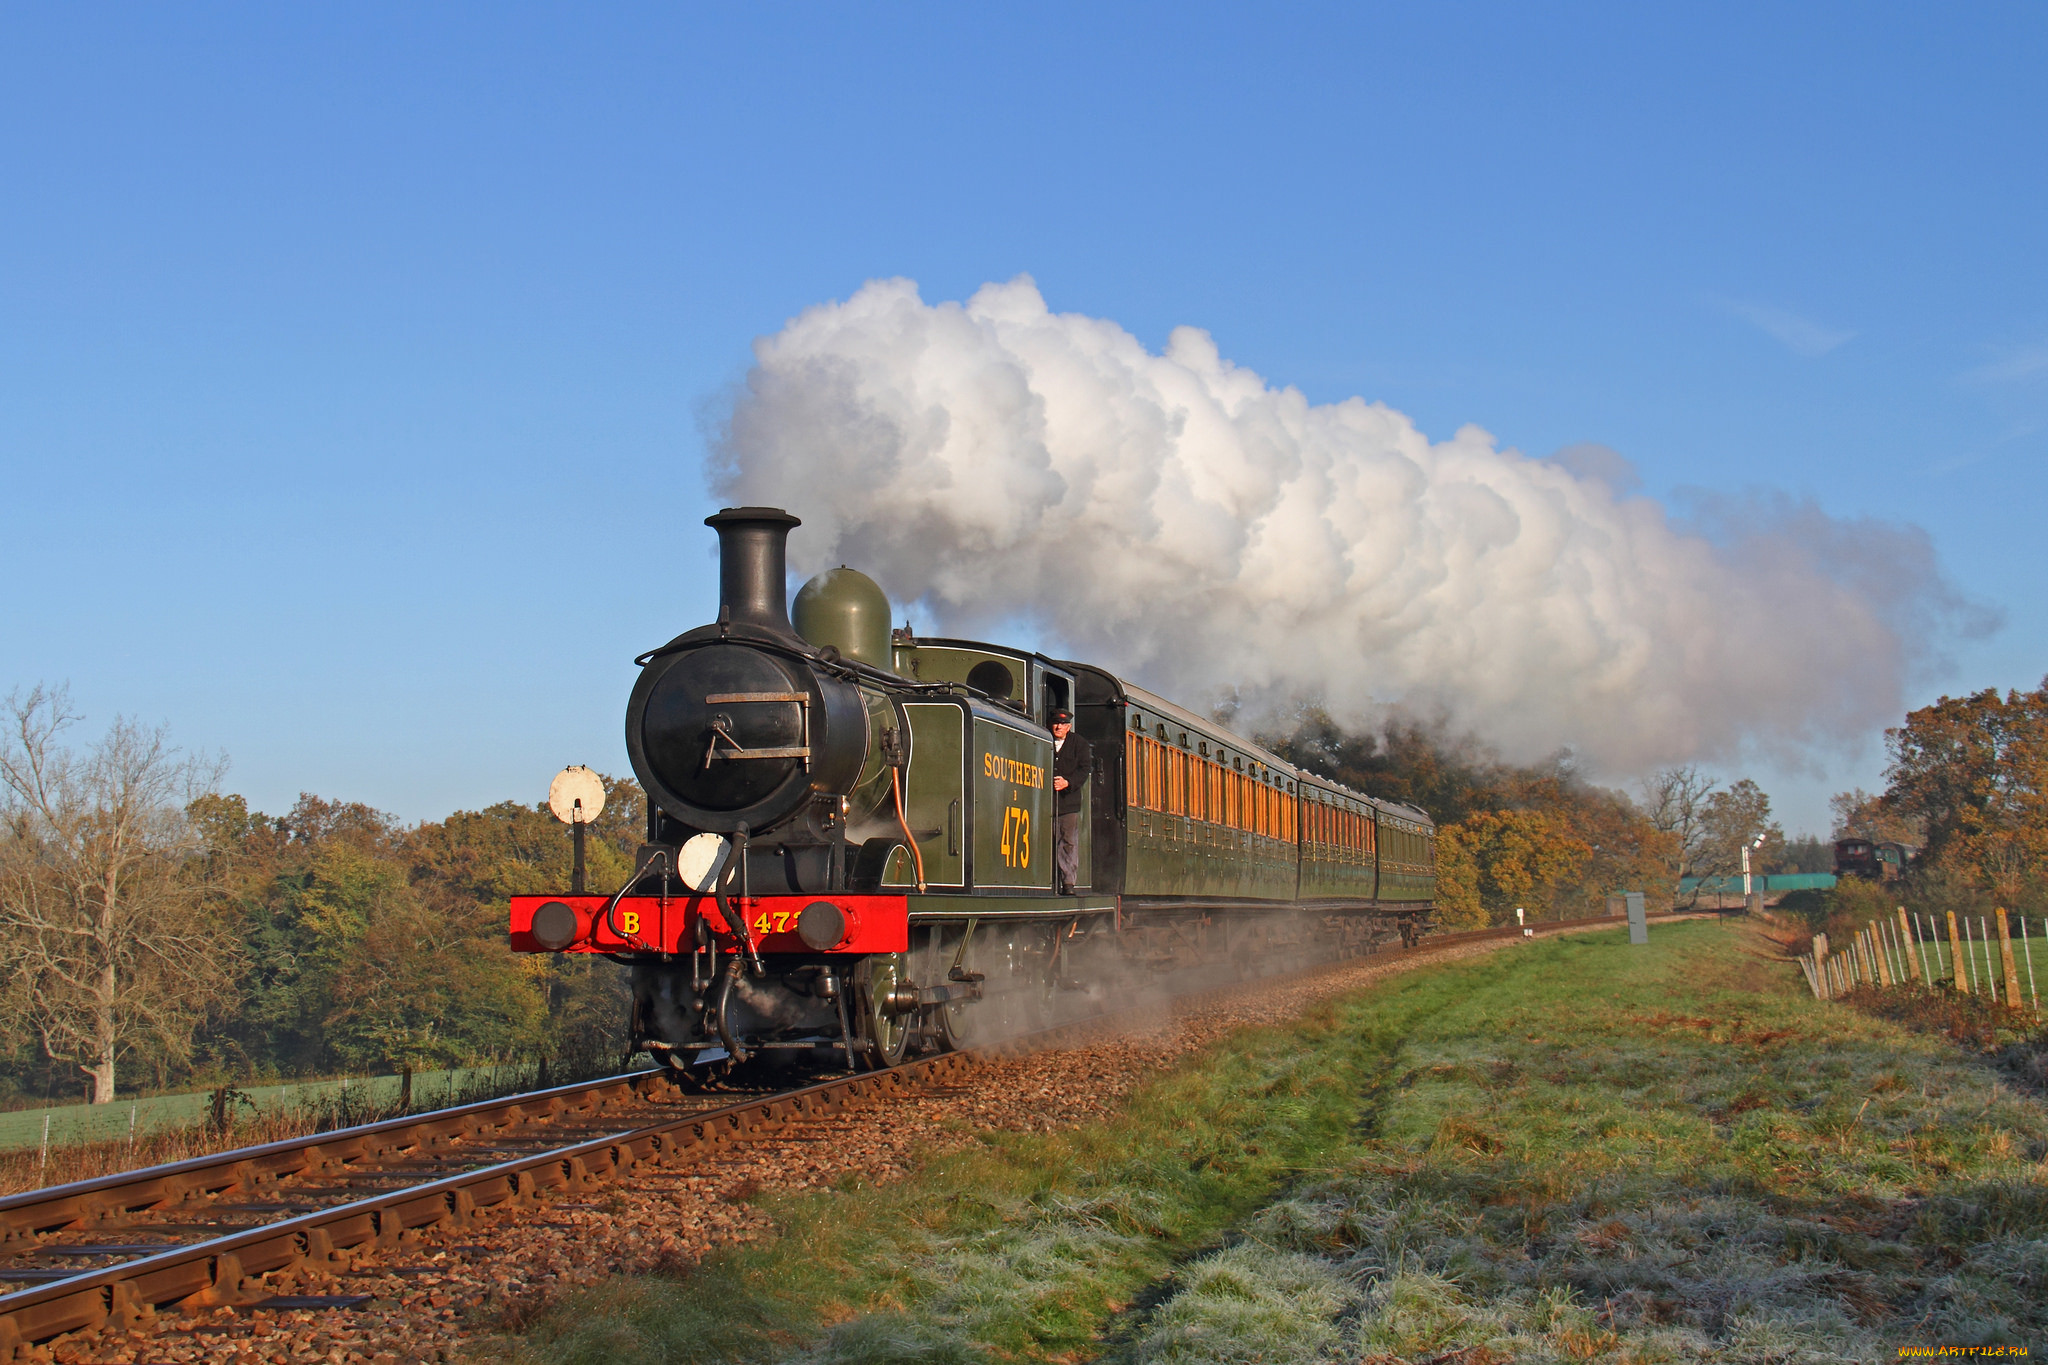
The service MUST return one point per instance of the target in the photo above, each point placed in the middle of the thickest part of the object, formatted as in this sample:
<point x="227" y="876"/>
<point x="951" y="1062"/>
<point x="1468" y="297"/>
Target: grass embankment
<point x="1569" y="1150"/>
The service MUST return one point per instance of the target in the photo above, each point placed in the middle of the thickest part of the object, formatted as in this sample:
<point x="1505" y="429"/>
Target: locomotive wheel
<point x="885" y="1030"/>
<point x="1016" y="989"/>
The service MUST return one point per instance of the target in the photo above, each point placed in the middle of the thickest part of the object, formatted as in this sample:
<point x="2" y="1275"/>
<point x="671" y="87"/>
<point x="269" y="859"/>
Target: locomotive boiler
<point x="850" y="844"/>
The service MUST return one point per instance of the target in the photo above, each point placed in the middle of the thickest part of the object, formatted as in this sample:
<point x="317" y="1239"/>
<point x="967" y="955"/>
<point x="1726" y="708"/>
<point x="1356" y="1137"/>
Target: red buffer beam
<point x="657" y="924"/>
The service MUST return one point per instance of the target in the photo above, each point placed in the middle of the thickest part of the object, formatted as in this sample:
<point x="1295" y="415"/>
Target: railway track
<point x="207" y="1232"/>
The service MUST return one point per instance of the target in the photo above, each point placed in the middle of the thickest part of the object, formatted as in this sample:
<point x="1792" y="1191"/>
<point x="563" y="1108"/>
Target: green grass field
<point x="1566" y="1150"/>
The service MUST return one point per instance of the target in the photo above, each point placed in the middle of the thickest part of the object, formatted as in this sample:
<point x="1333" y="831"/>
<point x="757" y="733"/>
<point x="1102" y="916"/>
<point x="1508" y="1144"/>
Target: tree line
<point x="157" y="933"/>
<point x="1540" y="836"/>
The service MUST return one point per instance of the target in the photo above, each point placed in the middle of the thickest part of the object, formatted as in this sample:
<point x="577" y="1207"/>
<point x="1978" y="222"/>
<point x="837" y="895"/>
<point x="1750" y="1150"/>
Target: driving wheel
<point x="884" y="1027"/>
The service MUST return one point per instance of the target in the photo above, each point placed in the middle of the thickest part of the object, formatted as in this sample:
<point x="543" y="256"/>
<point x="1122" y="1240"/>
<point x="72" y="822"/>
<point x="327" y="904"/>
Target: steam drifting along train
<point x="850" y="845"/>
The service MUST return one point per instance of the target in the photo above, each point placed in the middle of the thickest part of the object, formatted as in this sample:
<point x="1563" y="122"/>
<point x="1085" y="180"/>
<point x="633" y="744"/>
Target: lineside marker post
<point x="2012" y="968"/>
<point x="1955" y="943"/>
<point x="1906" y="937"/>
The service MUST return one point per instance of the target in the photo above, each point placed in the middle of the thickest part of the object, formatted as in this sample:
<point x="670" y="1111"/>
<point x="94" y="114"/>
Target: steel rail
<point x="215" y="1271"/>
<point x="59" y="1206"/>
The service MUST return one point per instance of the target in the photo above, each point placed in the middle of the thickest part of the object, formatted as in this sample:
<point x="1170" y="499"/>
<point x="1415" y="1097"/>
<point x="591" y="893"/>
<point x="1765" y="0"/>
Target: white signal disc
<point x="700" y="853"/>
<point x="572" y="785"/>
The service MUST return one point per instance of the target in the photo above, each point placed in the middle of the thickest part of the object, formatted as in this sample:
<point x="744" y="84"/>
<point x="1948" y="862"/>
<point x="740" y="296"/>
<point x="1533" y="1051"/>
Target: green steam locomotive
<point x="851" y="837"/>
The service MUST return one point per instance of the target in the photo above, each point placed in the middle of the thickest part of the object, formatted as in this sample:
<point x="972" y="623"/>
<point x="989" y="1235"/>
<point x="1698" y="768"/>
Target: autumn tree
<point x="405" y="983"/>
<point x="1859" y="815"/>
<point x="1971" y="773"/>
<point x="1493" y="861"/>
<point x="370" y="944"/>
<point x="102" y="895"/>
<point x="1731" y="819"/>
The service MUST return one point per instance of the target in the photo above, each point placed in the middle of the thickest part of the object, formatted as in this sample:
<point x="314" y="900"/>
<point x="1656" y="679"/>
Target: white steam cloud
<point x="1177" y="519"/>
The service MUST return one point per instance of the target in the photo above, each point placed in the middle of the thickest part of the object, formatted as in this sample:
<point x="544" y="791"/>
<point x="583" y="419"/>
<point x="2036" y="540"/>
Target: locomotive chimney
<point x="753" y="585"/>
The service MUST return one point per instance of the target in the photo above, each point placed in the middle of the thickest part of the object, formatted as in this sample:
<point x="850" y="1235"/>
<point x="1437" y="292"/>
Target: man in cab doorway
<point x="1072" y="760"/>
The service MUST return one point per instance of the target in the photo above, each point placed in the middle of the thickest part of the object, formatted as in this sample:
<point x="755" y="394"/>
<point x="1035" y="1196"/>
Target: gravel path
<point x="454" y="1289"/>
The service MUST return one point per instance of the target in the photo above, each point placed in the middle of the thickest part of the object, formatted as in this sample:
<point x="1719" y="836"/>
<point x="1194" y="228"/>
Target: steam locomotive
<point x="850" y="837"/>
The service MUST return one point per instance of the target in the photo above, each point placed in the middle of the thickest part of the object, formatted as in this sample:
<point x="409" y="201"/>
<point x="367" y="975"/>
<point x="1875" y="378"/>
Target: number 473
<point x="1016" y="837"/>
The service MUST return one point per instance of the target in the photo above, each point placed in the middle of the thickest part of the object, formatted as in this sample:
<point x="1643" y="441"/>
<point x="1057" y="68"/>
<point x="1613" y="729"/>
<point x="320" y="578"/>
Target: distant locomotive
<point x="1878" y="862"/>
<point x="850" y="836"/>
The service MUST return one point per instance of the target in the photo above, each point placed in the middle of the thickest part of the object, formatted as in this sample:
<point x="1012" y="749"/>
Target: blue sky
<point x="356" y="361"/>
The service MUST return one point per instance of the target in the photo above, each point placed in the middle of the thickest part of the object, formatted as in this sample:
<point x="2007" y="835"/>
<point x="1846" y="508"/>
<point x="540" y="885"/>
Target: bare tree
<point x="1675" y="801"/>
<point x="103" y="912"/>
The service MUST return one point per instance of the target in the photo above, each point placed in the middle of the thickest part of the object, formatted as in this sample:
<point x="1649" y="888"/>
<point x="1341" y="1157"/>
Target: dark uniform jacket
<point x="1074" y="761"/>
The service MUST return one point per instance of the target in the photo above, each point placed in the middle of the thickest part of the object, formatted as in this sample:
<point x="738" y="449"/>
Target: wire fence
<point x="1913" y="950"/>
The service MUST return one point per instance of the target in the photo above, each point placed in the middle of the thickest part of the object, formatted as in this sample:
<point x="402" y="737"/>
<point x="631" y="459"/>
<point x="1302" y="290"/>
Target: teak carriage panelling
<point x="1172" y="781"/>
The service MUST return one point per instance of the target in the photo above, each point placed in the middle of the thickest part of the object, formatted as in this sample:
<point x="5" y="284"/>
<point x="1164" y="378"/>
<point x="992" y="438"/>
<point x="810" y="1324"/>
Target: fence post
<point x="1820" y="966"/>
<point x="2012" y="966"/>
<point x="1906" y="941"/>
<point x="1955" y="945"/>
<point x="1884" y="966"/>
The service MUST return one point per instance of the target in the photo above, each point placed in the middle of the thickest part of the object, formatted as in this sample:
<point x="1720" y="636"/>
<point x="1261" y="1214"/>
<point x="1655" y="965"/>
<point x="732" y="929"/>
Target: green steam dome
<point x="846" y="610"/>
